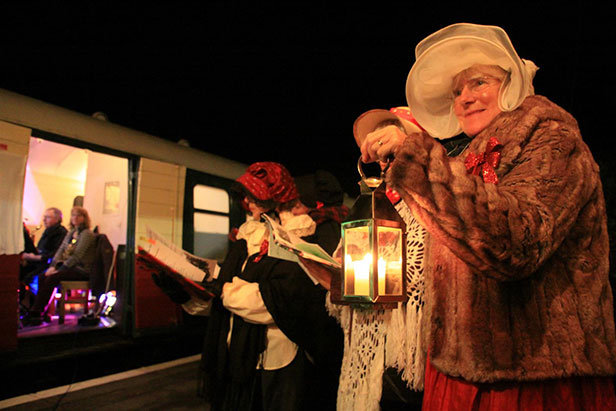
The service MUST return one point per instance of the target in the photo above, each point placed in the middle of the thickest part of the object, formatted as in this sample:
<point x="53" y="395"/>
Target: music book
<point x="189" y="265"/>
<point x="159" y="254"/>
<point x="288" y="246"/>
<point x="148" y="260"/>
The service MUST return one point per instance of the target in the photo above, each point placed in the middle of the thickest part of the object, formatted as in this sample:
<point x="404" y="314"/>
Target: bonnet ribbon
<point x="483" y="164"/>
<point x="263" y="251"/>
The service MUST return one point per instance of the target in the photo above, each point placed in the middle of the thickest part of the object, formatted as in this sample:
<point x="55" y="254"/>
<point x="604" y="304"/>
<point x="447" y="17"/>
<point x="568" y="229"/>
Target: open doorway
<point x="61" y="176"/>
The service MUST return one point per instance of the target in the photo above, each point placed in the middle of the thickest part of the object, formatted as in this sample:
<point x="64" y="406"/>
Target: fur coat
<point x="517" y="272"/>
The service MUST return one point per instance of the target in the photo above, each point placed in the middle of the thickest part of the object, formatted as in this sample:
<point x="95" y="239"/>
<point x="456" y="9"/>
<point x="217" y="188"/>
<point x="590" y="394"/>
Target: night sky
<point x="283" y="82"/>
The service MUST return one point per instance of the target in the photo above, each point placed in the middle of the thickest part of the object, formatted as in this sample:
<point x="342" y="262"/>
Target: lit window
<point x="210" y="199"/>
<point x="210" y="221"/>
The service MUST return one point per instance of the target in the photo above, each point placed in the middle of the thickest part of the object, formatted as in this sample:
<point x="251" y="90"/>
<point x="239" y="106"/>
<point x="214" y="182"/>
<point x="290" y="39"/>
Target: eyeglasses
<point x="475" y="85"/>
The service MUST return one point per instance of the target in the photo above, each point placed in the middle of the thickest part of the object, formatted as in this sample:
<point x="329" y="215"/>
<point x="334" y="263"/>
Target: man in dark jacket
<point x="36" y="263"/>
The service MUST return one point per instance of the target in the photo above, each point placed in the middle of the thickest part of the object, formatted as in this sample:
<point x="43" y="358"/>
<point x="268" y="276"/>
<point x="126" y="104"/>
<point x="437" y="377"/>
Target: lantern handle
<point x="383" y="170"/>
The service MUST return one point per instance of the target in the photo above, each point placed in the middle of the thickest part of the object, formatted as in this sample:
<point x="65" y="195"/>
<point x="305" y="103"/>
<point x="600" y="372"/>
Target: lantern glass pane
<point x="357" y="260"/>
<point x="389" y="260"/>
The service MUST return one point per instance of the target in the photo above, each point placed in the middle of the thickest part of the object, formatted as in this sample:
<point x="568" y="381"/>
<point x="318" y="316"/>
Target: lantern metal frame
<point x="373" y="210"/>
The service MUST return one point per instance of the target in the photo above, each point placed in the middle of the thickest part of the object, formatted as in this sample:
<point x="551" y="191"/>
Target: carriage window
<point x="211" y="221"/>
<point x="210" y="198"/>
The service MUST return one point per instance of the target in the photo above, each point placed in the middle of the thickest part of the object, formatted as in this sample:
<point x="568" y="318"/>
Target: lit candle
<point x="361" y="269"/>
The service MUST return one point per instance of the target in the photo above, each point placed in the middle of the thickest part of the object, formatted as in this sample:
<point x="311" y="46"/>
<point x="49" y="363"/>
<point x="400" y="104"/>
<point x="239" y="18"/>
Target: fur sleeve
<point x="505" y="230"/>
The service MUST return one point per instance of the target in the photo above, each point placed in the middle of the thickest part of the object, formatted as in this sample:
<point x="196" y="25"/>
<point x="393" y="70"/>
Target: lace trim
<point x="363" y="362"/>
<point x="375" y="339"/>
<point x="405" y="352"/>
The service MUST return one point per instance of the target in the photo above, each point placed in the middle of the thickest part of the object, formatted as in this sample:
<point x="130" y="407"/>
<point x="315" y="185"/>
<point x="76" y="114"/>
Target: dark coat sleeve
<point x="49" y="243"/>
<point x="297" y="306"/>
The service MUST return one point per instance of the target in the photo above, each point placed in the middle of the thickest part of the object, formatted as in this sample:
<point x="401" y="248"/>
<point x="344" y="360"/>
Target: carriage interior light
<point x="107" y="301"/>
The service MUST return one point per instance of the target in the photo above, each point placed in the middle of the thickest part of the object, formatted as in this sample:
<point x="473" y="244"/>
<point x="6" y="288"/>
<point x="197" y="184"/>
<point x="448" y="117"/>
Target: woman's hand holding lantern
<point x="381" y="144"/>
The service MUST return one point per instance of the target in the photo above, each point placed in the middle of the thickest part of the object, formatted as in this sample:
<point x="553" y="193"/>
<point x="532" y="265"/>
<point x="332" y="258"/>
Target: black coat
<point x="47" y="246"/>
<point x="50" y="242"/>
<point x="297" y="306"/>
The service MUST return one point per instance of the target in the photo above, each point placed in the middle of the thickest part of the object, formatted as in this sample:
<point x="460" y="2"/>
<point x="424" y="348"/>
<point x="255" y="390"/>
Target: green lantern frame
<point x="373" y="250"/>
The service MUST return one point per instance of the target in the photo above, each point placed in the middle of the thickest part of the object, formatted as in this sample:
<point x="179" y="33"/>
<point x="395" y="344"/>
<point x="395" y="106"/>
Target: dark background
<point x="283" y="81"/>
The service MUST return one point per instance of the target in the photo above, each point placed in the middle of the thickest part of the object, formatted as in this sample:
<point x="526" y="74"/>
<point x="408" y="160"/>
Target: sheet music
<point x="188" y="265"/>
<point x="288" y="246"/>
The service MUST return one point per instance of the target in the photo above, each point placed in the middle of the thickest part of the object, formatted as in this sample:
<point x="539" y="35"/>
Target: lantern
<point x="374" y="249"/>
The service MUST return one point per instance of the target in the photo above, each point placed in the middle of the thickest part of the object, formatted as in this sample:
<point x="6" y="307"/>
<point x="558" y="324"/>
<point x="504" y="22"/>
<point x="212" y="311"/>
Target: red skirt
<point x="442" y="392"/>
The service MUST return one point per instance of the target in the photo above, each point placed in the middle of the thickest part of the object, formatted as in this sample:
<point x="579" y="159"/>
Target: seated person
<point x="72" y="261"/>
<point x="37" y="261"/>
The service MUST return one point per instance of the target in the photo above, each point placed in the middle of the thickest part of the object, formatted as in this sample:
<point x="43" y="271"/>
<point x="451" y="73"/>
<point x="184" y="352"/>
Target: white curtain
<point x="12" y="172"/>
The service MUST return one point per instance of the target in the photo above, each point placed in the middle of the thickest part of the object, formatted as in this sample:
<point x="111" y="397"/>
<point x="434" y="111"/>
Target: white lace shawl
<point x="384" y="338"/>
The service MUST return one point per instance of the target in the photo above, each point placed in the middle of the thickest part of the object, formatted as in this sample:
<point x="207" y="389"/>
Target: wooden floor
<point x="167" y="386"/>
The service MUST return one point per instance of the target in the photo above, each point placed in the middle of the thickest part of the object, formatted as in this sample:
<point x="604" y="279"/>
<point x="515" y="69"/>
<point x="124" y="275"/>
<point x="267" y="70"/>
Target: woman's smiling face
<point x="475" y="92"/>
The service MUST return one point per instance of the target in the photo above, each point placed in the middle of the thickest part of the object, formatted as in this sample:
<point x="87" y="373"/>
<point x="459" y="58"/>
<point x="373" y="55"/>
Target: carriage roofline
<point x="35" y="114"/>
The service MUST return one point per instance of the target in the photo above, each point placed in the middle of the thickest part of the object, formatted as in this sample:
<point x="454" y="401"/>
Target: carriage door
<point x="209" y="214"/>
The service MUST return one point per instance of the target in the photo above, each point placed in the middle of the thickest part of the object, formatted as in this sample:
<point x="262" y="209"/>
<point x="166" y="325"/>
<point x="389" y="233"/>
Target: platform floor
<point x="166" y="386"/>
<point x="53" y="355"/>
<point x="71" y="367"/>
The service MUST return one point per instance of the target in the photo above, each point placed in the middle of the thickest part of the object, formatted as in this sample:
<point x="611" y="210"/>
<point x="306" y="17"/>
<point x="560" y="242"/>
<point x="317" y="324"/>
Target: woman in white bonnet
<point x="518" y="307"/>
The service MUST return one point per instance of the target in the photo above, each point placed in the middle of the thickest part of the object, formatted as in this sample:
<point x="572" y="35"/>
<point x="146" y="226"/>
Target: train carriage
<point x="129" y="182"/>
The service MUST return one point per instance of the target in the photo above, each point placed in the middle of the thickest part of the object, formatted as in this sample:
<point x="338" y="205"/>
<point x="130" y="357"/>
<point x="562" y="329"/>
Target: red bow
<point x="393" y="195"/>
<point x="262" y="251"/>
<point x="484" y="164"/>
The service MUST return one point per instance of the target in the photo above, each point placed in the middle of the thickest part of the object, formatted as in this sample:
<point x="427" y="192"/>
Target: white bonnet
<point x="443" y="54"/>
